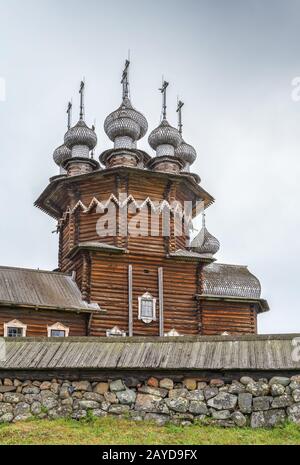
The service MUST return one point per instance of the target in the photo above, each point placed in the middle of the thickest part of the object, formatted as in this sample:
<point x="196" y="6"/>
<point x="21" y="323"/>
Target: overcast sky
<point x="232" y="62"/>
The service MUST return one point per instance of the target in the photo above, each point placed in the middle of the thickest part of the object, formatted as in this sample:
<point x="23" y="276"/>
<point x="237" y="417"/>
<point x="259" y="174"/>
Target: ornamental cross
<point x="163" y="90"/>
<point x="179" y="111"/>
<point x="81" y="91"/>
<point x="125" y="80"/>
<point x="69" y="112"/>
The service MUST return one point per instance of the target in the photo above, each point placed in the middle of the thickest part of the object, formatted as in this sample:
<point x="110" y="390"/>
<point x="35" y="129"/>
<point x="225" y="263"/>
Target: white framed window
<point x="147" y="308"/>
<point x="15" y="328"/>
<point x="115" y="332"/>
<point x="58" y="330"/>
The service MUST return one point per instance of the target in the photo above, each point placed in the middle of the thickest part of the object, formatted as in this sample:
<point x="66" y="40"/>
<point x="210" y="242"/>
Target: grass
<point x="115" y="431"/>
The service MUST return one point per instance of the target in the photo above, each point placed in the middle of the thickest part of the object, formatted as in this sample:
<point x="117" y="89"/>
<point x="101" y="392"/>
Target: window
<point x="115" y="332"/>
<point x="15" y="328"/>
<point x="57" y="333"/>
<point x="58" y="330"/>
<point x="147" y="307"/>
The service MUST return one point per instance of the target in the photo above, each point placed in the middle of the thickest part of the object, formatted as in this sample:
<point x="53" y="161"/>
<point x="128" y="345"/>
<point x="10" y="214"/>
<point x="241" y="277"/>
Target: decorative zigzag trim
<point x="175" y="209"/>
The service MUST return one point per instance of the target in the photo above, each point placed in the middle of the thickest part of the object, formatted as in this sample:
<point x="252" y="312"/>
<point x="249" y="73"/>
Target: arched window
<point x="147" y="308"/>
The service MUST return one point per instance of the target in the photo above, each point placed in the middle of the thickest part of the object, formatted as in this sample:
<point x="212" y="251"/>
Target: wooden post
<point x="161" y="300"/>
<point x="130" y="311"/>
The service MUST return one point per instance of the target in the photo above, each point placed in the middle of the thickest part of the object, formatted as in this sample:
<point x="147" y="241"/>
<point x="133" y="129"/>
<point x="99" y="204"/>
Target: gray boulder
<point x="258" y="389"/>
<point x="210" y="392"/>
<point x="294" y="413"/>
<point x="280" y="380"/>
<point x="277" y="389"/>
<point x="159" y="392"/>
<point x="178" y="405"/>
<point x="236" y="388"/>
<point x="262" y="403"/>
<point x="223" y="401"/>
<point x="245" y="402"/>
<point x="274" y="417"/>
<point x="257" y="420"/>
<point x="13" y="398"/>
<point x="147" y="403"/>
<point x="198" y="407"/>
<point x="117" y="409"/>
<point x="239" y="419"/>
<point x="31" y="390"/>
<point x="221" y="414"/>
<point x="5" y="408"/>
<point x="126" y="397"/>
<point x="88" y="404"/>
<point x="21" y="409"/>
<point x="282" y="401"/>
<point x="195" y="395"/>
<point x="36" y="408"/>
<point x="296" y="395"/>
<point x="6" y="418"/>
<point x="117" y="385"/>
<point x="175" y="393"/>
<point x="245" y="380"/>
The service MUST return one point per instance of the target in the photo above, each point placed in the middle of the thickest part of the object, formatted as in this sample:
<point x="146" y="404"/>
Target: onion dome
<point x="81" y="134"/>
<point x="61" y="154"/>
<point x="125" y="126"/>
<point x="186" y="153"/>
<point x="164" y="136"/>
<point x="204" y="242"/>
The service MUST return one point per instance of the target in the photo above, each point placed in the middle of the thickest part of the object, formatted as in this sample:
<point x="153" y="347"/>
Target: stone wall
<point x="244" y="402"/>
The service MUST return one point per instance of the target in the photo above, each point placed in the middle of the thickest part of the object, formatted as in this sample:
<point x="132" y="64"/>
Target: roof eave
<point x="262" y="304"/>
<point x="90" y="308"/>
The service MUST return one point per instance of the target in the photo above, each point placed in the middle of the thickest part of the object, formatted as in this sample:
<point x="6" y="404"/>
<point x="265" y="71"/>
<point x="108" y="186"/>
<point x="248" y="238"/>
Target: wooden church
<point x="126" y="263"/>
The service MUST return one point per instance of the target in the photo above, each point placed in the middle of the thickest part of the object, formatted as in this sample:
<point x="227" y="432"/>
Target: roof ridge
<point x="60" y="273"/>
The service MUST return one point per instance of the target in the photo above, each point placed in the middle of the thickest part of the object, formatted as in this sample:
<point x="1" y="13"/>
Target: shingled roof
<point x="21" y="287"/>
<point x="230" y="280"/>
<point x="264" y="352"/>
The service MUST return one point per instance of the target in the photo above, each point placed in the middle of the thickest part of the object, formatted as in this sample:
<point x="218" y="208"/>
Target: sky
<point x="232" y="63"/>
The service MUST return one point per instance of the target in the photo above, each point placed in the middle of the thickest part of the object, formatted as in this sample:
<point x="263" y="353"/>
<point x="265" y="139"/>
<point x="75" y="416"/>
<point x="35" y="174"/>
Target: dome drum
<point x="166" y="164"/>
<point x="80" y="165"/>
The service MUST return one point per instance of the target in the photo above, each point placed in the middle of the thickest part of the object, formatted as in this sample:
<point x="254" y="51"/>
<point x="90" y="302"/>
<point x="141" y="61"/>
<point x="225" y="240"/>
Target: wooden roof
<point x="21" y="287"/>
<point x="230" y="280"/>
<point x="48" y="202"/>
<point x="264" y="352"/>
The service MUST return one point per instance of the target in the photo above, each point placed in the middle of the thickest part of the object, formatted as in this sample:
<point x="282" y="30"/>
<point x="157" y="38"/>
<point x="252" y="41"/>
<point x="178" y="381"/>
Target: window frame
<point x="149" y="298"/>
<point x="58" y="327"/>
<point x="14" y="324"/>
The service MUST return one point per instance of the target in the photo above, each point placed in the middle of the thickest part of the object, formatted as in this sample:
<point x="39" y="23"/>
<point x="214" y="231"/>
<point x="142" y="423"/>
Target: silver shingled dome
<point x="186" y="153"/>
<point x="126" y="122"/>
<point x="81" y="134"/>
<point x="61" y="154"/>
<point x="164" y="134"/>
<point x="205" y="243"/>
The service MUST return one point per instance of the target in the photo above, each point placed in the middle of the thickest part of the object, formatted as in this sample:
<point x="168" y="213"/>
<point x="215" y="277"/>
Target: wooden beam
<point x="161" y="300"/>
<point x="130" y="310"/>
